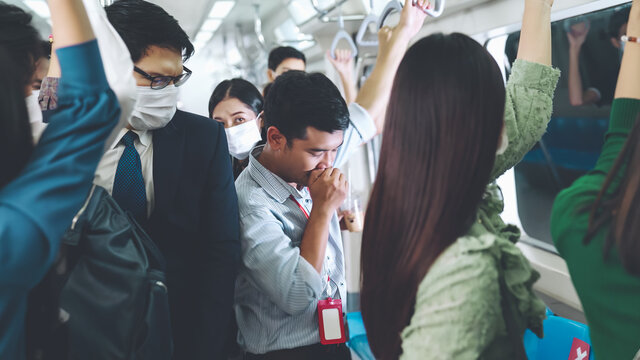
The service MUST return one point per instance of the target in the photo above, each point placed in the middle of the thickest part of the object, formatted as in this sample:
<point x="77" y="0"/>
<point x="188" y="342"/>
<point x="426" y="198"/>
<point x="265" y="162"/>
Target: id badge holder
<point x="330" y="322"/>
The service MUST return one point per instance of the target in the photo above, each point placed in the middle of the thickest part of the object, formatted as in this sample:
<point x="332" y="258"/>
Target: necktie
<point x="128" y="186"/>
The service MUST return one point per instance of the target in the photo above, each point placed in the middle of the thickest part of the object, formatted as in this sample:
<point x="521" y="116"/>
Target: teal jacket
<point x="458" y="312"/>
<point x="38" y="206"/>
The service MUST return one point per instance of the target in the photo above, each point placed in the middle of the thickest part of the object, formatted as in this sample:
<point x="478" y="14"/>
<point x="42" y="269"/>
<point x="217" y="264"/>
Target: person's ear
<point x="275" y="139"/>
<point x="271" y="75"/>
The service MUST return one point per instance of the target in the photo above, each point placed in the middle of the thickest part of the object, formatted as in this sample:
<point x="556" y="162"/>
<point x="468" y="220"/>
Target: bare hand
<point x="343" y="61"/>
<point x="411" y="21"/>
<point x="328" y="189"/>
<point x="578" y="34"/>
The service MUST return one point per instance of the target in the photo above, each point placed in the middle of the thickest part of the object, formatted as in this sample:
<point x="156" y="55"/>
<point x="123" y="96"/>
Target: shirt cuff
<point x="82" y="67"/>
<point x="362" y="122"/>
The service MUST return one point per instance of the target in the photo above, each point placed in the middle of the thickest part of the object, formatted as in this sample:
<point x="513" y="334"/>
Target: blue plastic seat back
<point x="573" y="143"/>
<point x="556" y="344"/>
<point x="558" y="339"/>
<point x="358" y="341"/>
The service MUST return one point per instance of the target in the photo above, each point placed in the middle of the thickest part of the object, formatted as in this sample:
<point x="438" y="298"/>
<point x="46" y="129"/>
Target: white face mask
<point x="242" y="138"/>
<point x="33" y="108"/>
<point x="35" y="116"/>
<point x="154" y="108"/>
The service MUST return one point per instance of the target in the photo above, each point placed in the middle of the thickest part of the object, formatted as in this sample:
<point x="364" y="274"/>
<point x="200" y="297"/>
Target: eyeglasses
<point x="161" y="82"/>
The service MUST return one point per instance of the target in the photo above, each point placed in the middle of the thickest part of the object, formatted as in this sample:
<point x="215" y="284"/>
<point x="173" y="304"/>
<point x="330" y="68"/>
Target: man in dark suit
<point x="171" y="169"/>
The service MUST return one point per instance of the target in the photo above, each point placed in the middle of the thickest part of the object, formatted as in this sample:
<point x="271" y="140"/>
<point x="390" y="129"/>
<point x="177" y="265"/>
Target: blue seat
<point x="558" y="339"/>
<point x="556" y="344"/>
<point x="573" y="143"/>
<point x="358" y="341"/>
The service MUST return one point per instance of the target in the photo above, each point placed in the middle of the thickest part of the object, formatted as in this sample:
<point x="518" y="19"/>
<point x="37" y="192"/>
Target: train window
<point x="586" y="50"/>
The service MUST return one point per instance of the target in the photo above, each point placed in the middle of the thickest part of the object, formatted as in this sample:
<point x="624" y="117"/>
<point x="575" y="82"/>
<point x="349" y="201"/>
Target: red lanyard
<point x="300" y="206"/>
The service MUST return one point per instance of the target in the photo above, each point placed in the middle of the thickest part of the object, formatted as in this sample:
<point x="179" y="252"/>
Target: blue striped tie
<point x="128" y="187"/>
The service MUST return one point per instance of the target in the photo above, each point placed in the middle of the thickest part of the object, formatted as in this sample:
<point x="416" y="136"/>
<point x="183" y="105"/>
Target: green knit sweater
<point x="458" y="311"/>
<point x="610" y="296"/>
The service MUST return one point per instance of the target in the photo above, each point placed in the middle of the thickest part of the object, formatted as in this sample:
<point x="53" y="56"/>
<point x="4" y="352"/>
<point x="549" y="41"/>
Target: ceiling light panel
<point x="40" y="7"/>
<point x="221" y="9"/>
<point x="211" y="25"/>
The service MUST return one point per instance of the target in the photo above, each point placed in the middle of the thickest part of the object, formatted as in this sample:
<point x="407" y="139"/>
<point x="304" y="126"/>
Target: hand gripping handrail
<point x="395" y="6"/>
<point x="392" y="7"/>
<point x="343" y="35"/>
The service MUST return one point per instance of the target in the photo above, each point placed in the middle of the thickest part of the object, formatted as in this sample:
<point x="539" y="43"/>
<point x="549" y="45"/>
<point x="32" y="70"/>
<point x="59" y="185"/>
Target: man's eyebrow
<point x="317" y="150"/>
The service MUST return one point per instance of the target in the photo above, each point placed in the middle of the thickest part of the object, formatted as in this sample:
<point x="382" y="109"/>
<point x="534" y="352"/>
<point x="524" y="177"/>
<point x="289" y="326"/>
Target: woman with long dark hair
<point x="442" y="278"/>
<point x="595" y="222"/>
<point x="237" y="104"/>
<point x="42" y="188"/>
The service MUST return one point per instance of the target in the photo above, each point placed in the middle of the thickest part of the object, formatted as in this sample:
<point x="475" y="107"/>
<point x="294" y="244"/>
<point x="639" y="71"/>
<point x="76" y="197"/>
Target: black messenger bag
<point x="115" y="296"/>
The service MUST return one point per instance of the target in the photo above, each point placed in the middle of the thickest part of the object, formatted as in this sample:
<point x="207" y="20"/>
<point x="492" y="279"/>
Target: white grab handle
<point x="364" y="27"/>
<point x="343" y="35"/>
<point x="392" y="7"/>
<point x="395" y="6"/>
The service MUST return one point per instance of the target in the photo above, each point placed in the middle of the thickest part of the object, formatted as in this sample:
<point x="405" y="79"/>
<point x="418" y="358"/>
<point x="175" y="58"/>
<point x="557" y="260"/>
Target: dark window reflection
<point x="588" y="52"/>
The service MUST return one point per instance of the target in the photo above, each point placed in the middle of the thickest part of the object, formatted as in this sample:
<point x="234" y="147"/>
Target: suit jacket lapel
<point x="168" y="150"/>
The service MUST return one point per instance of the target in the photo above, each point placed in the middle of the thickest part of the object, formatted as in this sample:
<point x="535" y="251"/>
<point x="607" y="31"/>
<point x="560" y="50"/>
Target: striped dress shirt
<point x="277" y="290"/>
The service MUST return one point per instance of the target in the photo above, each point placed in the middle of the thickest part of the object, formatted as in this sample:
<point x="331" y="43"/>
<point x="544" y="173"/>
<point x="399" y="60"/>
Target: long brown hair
<point x="620" y="208"/>
<point x="443" y="123"/>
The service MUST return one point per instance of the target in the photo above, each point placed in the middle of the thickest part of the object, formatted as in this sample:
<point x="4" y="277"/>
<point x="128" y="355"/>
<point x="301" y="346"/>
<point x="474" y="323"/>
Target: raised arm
<point x="37" y="207"/>
<point x="535" y="38"/>
<point x="375" y="92"/>
<point x="629" y="78"/>
<point x="530" y="87"/>
<point x="70" y="22"/>
<point x="116" y="61"/>
<point x="343" y="63"/>
<point x="577" y="96"/>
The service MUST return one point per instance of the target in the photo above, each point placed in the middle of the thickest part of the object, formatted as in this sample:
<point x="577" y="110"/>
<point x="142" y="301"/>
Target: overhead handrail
<point x="364" y="27"/>
<point x="316" y="6"/>
<point x="395" y="6"/>
<point x="327" y="19"/>
<point x="392" y="7"/>
<point x="437" y="9"/>
<point x="343" y="35"/>
<point x="257" y="25"/>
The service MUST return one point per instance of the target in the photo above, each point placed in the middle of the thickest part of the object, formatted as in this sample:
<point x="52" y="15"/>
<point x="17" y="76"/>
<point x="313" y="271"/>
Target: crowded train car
<point x="319" y="179"/>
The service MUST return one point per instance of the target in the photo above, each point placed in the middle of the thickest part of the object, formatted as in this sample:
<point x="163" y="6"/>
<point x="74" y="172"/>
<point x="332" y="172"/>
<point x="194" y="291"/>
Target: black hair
<point x="20" y="39"/>
<point x="441" y="132"/>
<point x="298" y="100"/>
<point x="266" y="89"/>
<point x="280" y="54"/>
<point x="240" y="89"/>
<point x="16" y="144"/>
<point x="45" y="49"/>
<point x="619" y="18"/>
<point x="142" y="24"/>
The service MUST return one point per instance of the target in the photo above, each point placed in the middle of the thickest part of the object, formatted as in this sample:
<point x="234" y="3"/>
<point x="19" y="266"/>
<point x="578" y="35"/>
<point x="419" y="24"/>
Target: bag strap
<point x="83" y="208"/>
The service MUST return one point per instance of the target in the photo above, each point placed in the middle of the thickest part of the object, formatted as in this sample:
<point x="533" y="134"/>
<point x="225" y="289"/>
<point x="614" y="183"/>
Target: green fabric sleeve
<point x="528" y="107"/>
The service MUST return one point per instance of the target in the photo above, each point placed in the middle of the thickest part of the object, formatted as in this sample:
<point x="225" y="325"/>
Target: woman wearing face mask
<point x="237" y="104"/>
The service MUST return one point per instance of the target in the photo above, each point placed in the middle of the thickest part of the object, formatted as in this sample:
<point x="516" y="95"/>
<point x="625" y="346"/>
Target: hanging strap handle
<point x="364" y="27"/>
